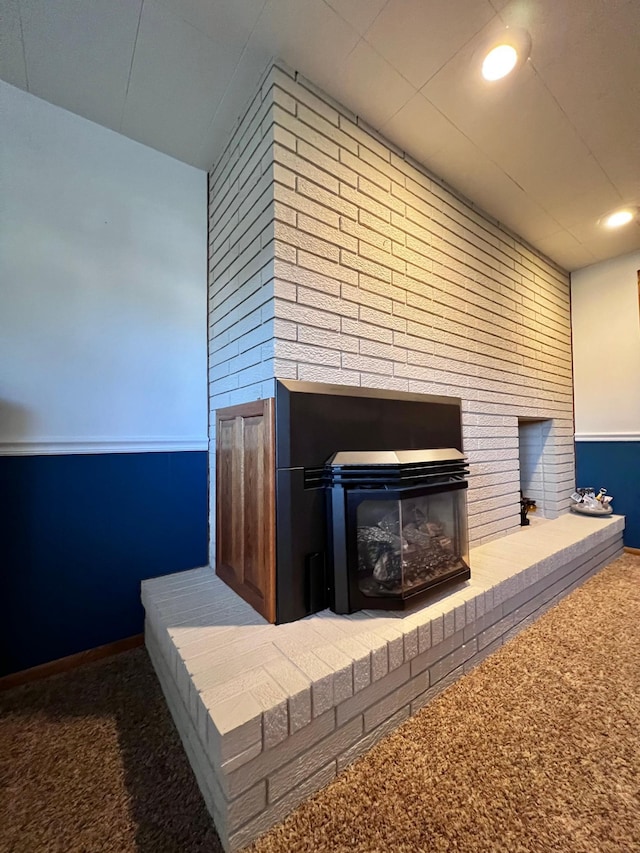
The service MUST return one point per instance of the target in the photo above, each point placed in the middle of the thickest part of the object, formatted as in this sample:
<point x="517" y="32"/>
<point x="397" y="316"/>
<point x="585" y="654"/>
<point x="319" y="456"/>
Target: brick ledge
<point x="277" y="711"/>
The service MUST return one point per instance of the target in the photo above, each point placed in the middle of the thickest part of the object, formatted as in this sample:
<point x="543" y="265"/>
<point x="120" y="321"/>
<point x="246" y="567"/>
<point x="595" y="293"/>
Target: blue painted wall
<point x="616" y="466"/>
<point x="78" y="533"/>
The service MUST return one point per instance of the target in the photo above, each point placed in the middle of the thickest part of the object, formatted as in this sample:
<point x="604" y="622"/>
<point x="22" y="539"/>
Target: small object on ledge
<point x="586" y="502"/>
<point x="526" y="505"/>
<point x="583" y="509"/>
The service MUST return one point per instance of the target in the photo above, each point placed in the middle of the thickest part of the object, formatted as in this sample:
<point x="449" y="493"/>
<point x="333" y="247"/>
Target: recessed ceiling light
<point x="618" y="218"/>
<point x="499" y="62"/>
<point x="501" y="52"/>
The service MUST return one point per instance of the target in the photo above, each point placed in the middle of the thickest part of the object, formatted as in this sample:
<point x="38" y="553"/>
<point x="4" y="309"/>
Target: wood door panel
<point x="228" y="495"/>
<point x="245" y="502"/>
<point x="255" y="518"/>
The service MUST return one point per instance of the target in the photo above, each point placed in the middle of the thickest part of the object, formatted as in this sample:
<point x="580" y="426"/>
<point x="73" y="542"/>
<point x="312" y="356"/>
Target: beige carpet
<point x="90" y="762"/>
<point x="536" y="751"/>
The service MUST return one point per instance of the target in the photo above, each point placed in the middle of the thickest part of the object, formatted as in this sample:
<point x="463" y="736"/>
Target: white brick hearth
<point x="269" y="714"/>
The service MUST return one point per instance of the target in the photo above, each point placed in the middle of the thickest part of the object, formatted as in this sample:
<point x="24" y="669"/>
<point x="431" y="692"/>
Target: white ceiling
<point x="547" y="151"/>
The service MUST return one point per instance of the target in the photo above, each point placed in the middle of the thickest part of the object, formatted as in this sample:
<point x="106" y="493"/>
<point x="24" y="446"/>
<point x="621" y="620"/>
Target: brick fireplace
<point x="335" y="258"/>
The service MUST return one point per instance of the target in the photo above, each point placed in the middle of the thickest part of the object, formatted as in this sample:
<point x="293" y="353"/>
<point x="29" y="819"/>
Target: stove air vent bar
<point x="396" y="468"/>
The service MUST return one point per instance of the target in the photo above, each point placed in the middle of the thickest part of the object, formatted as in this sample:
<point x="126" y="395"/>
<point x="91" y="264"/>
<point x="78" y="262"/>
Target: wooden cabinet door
<point x="245" y="503"/>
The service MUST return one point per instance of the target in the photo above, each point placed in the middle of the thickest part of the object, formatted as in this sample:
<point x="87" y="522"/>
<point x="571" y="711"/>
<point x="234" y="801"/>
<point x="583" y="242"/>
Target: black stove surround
<point x="313" y="423"/>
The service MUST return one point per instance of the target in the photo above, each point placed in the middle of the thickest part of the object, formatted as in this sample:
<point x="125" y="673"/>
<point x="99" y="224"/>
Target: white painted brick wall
<point x="335" y="258"/>
<point x="242" y="251"/>
<point x="397" y="283"/>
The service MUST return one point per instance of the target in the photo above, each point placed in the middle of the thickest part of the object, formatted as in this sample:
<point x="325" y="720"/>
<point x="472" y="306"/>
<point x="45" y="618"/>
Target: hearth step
<point x="269" y="714"/>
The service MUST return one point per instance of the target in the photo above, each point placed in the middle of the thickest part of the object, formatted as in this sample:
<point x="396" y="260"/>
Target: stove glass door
<point x="408" y="542"/>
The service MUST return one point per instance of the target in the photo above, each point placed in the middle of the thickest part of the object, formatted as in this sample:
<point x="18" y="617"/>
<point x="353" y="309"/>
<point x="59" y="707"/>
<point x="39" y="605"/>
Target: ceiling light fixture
<point x="499" y="62"/>
<point x="502" y="53"/>
<point x="618" y="218"/>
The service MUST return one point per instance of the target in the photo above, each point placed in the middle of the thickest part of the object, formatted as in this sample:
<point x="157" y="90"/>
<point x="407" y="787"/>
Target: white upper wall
<point x="103" y="247"/>
<point x="606" y="348"/>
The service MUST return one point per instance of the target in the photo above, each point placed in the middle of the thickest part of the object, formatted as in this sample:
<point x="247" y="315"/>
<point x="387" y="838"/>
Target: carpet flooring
<point x="90" y="762"/>
<point x="535" y="751"/>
